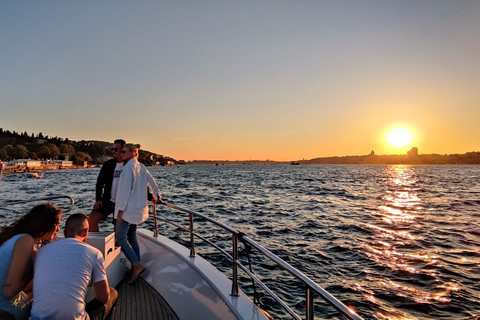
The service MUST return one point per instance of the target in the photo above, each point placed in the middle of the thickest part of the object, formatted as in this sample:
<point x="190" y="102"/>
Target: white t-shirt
<point x="116" y="178"/>
<point x="63" y="270"/>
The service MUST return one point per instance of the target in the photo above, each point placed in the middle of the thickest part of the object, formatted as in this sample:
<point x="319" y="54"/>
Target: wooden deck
<point x="141" y="301"/>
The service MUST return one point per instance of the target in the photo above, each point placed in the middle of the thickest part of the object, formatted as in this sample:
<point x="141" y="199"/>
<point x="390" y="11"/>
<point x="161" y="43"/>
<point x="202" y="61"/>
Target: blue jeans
<point x="126" y="235"/>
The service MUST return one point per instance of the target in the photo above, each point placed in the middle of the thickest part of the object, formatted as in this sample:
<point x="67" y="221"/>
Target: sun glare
<point x="399" y="137"/>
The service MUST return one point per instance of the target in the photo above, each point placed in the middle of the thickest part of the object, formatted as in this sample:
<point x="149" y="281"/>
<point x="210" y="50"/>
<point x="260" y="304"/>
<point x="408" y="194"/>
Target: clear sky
<point x="250" y="79"/>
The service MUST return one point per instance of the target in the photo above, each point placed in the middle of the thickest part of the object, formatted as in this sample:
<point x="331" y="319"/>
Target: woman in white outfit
<point x="131" y="207"/>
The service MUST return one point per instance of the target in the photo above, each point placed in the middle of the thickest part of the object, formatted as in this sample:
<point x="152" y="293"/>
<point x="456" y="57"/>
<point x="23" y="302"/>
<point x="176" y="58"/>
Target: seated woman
<point x="18" y="244"/>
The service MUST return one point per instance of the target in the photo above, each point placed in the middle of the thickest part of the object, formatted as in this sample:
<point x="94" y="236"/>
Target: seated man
<point x="62" y="272"/>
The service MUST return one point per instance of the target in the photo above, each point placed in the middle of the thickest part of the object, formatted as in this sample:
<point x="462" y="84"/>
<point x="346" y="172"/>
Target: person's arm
<point x="154" y="188"/>
<point x="124" y="189"/>
<point x="20" y="271"/>
<point x="101" y="183"/>
<point x="29" y="289"/>
<point x="102" y="291"/>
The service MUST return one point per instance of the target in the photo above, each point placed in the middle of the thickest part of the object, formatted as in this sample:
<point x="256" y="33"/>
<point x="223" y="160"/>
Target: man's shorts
<point x="106" y="209"/>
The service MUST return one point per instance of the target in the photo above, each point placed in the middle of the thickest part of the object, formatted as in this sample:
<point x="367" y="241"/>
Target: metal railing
<point x="70" y="207"/>
<point x="311" y="287"/>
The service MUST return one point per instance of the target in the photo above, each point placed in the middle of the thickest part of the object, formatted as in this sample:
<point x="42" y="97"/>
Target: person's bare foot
<point x="137" y="269"/>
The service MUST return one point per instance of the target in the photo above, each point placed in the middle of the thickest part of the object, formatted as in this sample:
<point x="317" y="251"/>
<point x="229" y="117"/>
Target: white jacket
<point x="132" y="192"/>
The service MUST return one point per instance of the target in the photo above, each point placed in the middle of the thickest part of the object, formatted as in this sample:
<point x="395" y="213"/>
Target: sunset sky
<point x="239" y="80"/>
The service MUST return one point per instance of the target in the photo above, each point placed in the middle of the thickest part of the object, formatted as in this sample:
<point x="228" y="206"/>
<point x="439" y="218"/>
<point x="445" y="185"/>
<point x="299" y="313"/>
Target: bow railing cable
<point x="311" y="286"/>
<point x="70" y="207"/>
<point x="248" y="249"/>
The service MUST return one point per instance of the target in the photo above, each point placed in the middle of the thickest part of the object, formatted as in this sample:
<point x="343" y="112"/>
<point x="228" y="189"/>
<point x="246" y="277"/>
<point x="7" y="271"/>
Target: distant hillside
<point x="467" y="158"/>
<point x="14" y="145"/>
<point x="410" y="158"/>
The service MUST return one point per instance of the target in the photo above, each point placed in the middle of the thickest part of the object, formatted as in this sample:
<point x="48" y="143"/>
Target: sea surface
<point x="391" y="242"/>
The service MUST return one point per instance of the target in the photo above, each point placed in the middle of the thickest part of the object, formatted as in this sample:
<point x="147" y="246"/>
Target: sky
<point x="245" y="80"/>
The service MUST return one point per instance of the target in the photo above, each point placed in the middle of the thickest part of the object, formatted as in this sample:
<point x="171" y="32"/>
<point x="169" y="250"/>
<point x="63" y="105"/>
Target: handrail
<point x="218" y="223"/>
<point x="258" y="281"/>
<point x="311" y="285"/>
<point x="307" y="281"/>
<point x="72" y="202"/>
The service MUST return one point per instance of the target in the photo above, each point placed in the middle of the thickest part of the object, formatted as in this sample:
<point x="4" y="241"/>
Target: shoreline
<point x="58" y="166"/>
<point x="42" y="168"/>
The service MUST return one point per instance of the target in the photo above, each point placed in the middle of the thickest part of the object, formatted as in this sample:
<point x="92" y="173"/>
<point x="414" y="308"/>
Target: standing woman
<point x="17" y="249"/>
<point x="131" y="207"/>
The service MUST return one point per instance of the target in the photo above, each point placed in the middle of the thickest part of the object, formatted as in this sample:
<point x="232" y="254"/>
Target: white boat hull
<point x="191" y="286"/>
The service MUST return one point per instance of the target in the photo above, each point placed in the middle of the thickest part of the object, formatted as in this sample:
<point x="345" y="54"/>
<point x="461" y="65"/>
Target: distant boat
<point x="36" y="175"/>
<point x="293" y="163"/>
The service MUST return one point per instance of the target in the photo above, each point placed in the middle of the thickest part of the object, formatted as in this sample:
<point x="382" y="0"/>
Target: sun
<point x="399" y="137"/>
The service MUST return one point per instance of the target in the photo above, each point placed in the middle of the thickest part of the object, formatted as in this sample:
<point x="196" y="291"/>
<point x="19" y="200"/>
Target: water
<point x="391" y="242"/>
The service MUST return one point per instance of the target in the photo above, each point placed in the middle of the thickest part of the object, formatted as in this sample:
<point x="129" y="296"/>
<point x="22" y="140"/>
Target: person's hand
<point x="120" y="216"/>
<point x="97" y="205"/>
<point x="159" y="200"/>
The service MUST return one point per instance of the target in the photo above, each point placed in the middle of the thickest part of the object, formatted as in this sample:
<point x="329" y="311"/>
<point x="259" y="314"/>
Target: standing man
<point x="106" y="190"/>
<point x="62" y="272"/>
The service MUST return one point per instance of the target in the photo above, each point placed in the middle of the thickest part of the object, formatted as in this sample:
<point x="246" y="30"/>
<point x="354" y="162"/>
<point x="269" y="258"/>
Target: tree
<point x="3" y="155"/>
<point x="68" y="149"/>
<point x="9" y="150"/>
<point x="79" y="157"/>
<point x="54" y="151"/>
<point x="32" y="155"/>
<point x="44" y="152"/>
<point x="20" y="152"/>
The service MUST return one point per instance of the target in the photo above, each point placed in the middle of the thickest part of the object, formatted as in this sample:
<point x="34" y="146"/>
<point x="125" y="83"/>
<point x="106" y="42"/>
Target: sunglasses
<point x="114" y="149"/>
<point x="123" y="152"/>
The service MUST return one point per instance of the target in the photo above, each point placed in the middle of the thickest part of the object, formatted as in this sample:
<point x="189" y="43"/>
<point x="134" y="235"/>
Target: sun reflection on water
<point x="395" y="245"/>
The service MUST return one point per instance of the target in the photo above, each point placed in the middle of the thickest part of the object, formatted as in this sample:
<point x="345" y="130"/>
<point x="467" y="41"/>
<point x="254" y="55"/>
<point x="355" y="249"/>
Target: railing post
<point x="309" y="304"/>
<point x="192" y="238"/>
<point x="235" y="267"/>
<point x="155" y="223"/>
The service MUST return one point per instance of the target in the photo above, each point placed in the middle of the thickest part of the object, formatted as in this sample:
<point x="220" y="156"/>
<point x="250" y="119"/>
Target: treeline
<point x="14" y="145"/>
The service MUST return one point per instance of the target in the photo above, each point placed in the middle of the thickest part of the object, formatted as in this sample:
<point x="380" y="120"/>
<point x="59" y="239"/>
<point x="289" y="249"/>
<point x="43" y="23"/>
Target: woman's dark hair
<point x="39" y="221"/>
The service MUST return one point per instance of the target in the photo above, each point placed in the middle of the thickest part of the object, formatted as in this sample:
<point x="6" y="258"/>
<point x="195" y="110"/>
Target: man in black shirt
<point x="106" y="189"/>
